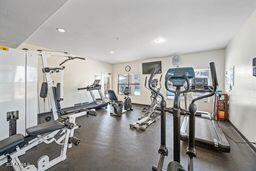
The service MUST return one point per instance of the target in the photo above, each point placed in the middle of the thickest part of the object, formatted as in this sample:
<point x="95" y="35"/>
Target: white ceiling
<point x="94" y="27"/>
<point x="20" y="18"/>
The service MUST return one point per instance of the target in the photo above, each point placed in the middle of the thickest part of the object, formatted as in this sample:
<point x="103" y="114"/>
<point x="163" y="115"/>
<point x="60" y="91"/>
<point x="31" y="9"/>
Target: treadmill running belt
<point x="207" y="133"/>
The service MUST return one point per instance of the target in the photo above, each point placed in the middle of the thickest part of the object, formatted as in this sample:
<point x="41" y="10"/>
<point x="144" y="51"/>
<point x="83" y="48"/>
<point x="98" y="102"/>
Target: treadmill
<point x="208" y="134"/>
<point x="98" y="103"/>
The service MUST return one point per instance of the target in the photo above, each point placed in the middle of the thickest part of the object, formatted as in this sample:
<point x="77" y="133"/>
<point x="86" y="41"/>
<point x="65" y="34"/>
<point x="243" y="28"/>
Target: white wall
<point x="78" y="73"/>
<point x="239" y="53"/>
<point x="196" y="60"/>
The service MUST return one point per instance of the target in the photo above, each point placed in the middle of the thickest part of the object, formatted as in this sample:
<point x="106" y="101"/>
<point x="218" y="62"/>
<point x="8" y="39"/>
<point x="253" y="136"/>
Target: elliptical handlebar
<point x="160" y="82"/>
<point x="153" y="73"/>
<point x="214" y="75"/>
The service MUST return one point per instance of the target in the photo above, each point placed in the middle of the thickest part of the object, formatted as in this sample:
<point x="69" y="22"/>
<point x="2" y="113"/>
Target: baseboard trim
<point x="246" y="140"/>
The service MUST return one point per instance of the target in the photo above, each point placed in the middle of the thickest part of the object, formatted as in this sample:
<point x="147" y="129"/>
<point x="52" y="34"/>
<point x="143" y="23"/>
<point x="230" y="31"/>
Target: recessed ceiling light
<point x="112" y="52"/>
<point x="61" y="30"/>
<point x="159" y="40"/>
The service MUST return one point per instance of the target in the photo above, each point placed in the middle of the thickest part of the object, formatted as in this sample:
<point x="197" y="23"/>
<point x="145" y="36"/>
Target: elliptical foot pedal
<point x="154" y="168"/>
<point x="175" y="166"/>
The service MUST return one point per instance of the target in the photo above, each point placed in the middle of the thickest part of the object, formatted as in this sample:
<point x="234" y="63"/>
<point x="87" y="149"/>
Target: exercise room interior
<point x="126" y="85"/>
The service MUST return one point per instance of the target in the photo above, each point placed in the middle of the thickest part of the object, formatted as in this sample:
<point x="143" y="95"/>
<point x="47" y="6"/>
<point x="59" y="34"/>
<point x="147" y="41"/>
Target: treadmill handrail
<point x="214" y="84"/>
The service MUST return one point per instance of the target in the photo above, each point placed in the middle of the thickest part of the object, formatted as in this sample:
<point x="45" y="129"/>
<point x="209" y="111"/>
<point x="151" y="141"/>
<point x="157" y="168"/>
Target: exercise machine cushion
<point x="10" y="143"/>
<point x="44" y="90"/>
<point x="112" y="95"/>
<point x="45" y="128"/>
<point x="56" y="94"/>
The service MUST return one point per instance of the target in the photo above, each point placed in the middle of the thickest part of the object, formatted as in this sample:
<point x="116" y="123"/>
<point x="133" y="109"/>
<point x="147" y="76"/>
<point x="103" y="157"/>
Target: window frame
<point x="129" y="83"/>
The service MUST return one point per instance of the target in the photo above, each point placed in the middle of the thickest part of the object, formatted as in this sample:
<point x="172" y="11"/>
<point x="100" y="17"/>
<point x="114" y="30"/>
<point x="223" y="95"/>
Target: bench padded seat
<point x="45" y="128"/>
<point x="9" y="144"/>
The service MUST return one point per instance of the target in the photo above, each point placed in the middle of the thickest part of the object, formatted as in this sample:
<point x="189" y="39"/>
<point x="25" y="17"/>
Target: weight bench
<point x="8" y="145"/>
<point x="14" y="146"/>
<point x="45" y="128"/>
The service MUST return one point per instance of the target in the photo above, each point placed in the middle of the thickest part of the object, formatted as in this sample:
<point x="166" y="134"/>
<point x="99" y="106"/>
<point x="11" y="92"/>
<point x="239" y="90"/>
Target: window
<point x="202" y="73"/>
<point x="122" y="83"/>
<point x="129" y="80"/>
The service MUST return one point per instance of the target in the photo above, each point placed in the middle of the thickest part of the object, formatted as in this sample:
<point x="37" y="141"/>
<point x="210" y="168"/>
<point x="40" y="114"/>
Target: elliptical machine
<point x="150" y="113"/>
<point x="180" y="79"/>
<point x="120" y="107"/>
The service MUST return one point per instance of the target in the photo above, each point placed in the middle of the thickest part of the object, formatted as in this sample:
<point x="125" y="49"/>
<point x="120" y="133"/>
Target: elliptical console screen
<point x="177" y="75"/>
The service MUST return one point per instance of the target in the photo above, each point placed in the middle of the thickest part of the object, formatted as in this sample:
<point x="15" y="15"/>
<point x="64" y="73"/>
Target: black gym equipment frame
<point x="180" y="79"/>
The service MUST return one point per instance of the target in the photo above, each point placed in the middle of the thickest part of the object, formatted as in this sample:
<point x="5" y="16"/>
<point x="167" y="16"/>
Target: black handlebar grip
<point x="80" y="58"/>
<point x="214" y="74"/>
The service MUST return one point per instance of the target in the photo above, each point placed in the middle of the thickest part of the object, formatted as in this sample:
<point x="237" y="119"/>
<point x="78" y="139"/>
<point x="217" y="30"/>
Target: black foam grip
<point x="214" y="74"/>
<point x="146" y="81"/>
<point x="44" y="90"/>
<point x="80" y="58"/>
<point x="58" y="93"/>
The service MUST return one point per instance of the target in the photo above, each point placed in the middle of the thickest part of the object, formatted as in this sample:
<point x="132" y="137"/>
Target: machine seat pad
<point x="112" y="95"/>
<point x="10" y="143"/>
<point x="45" y="128"/>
